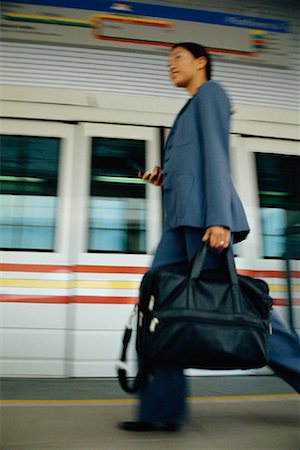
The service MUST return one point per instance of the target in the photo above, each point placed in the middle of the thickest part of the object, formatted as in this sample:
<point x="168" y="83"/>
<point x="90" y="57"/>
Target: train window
<point x="279" y="196"/>
<point x="117" y="210"/>
<point x="29" y="174"/>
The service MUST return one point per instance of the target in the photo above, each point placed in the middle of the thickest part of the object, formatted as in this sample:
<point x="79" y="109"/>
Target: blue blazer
<point x="198" y="190"/>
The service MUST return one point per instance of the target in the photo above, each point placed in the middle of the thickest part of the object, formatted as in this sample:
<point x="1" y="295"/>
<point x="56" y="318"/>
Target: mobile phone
<point x="141" y="173"/>
<point x="139" y="170"/>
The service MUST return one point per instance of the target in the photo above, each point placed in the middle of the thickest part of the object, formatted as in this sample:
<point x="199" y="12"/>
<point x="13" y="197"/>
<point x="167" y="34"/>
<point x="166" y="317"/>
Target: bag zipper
<point x="155" y="322"/>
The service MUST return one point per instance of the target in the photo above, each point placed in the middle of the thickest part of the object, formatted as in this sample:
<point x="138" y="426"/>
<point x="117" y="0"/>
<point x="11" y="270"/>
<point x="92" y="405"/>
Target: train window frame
<point x="118" y="202"/>
<point x="29" y="179"/>
<point x="278" y="200"/>
<point x="64" y="132"/>
<point x="244" y="151"/>
<point x="86" y="131"/>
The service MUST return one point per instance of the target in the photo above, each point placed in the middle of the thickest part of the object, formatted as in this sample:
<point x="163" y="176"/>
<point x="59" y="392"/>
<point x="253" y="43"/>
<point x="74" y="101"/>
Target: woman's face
<point x="182" y="67"/>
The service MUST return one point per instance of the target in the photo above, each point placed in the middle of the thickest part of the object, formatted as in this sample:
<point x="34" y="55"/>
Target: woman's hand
<point x="155" y="177"/>
<point x="217" y="237"/>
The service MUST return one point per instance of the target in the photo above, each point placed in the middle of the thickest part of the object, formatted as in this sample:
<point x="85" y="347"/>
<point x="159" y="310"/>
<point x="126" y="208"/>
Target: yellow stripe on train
<point x="65" y="284"/>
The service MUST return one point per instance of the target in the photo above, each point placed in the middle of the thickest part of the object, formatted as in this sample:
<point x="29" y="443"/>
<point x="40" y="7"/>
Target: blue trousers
<point x="163" y="399"/>
<point x="284" y="352"/>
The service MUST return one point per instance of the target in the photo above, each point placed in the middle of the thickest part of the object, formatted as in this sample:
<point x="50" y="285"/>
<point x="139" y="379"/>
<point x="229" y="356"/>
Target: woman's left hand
<point x="217" y="237"/>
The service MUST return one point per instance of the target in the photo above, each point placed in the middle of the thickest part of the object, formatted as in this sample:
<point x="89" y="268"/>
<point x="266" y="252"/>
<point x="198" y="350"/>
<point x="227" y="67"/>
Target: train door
<point x="116" y="225"/>
<point x="267" y="176"/>
<point x="77" y="231"/>
<point x="36" y="166"/>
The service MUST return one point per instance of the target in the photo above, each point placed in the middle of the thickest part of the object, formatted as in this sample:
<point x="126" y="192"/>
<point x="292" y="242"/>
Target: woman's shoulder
<point x="211" y="88"/>
<point x="212" y="93"/>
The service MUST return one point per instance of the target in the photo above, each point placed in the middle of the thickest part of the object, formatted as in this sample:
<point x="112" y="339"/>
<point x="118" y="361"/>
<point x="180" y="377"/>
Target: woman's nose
<point x="171" y="66"/>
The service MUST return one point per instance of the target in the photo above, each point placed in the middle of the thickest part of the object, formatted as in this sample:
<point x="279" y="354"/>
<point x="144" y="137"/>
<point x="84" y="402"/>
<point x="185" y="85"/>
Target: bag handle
<point x="199" y="262"/>
<point x="142" y="374"/>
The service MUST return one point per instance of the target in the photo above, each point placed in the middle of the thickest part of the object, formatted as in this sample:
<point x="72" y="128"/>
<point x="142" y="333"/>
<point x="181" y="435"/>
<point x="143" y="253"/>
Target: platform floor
<point x="234" y="413"/>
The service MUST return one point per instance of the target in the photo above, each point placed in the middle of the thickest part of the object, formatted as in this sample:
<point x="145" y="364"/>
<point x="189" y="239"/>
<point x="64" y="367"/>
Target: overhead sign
<point x="146" y="27"/>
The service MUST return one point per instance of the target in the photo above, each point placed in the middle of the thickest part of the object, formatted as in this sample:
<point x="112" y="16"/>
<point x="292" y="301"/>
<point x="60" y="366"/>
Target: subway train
<point x="79" y="227"/>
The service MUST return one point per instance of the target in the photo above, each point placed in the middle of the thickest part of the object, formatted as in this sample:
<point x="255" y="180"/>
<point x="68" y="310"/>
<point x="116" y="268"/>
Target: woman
<point x="200" y="203"/>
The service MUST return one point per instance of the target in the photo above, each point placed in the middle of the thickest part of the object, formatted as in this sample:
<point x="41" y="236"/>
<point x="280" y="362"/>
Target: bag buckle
<point x="131" y="317"/>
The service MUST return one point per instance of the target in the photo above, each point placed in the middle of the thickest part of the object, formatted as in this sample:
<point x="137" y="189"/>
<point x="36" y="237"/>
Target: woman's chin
<point x="180" y="84"/>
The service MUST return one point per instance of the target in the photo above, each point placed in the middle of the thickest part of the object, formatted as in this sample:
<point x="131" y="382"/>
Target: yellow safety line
<point x="246" y="397"/>
<point x="95" y="401"/>
<point x="129" y="401"/>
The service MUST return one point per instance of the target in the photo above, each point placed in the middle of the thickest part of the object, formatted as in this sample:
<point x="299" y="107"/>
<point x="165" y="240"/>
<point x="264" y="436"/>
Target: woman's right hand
<point x="155" y="177"/>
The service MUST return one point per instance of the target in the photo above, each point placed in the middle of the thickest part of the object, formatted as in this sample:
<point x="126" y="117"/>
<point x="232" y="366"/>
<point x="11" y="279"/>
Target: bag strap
<point x="231" y="265"/>
<point x="122" y="367"/>
<point x="198" y="263"/>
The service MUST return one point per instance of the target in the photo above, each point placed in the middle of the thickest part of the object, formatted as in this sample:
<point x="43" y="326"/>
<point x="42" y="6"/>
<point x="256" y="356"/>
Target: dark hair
<point x="197" y="50"/>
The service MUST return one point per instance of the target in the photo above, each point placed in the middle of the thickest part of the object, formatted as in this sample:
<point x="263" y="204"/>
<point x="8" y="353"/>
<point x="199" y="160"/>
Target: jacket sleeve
<point x="212" y="117"/>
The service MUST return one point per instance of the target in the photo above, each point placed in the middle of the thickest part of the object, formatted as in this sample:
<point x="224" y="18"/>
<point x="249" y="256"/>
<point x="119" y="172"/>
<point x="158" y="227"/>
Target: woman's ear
<point x="201" y="63"/>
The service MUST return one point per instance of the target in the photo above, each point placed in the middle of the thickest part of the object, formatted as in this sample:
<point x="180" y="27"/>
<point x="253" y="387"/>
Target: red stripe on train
<point x="101" y="300"/>
<point x="69" y="269"/>
<point x="268" y="273"/>
<point x="125" y="269"/>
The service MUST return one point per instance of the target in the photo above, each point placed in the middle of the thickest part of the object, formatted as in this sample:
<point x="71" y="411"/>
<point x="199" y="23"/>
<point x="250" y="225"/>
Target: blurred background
<point x="85" y="104"/>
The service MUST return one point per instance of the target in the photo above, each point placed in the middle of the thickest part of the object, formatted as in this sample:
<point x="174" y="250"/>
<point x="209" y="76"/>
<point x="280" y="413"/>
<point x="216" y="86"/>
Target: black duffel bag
<point x="190" y="317"/>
